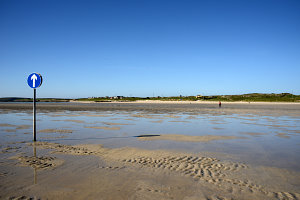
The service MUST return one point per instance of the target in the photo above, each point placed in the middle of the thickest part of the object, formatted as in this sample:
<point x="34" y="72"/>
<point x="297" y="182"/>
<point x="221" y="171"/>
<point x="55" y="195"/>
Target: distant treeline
<point x="20" y="99"/>
<point x="283" y="97"/>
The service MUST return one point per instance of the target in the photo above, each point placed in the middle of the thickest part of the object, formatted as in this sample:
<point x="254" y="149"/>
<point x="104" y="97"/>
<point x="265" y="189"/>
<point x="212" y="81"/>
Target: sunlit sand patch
<point x="146" y="116"/>
<point x="10" y="130"/>
<point x="14" y="135"/>
<point x="157" y="121"/>
<point x="179" y="121"/>
<point x="31" y="119"/>
<point x="188" y="138"/>
<point x="130" y="119"/>
<point x="16" y="126"/>
<point x="115" y="118"/>
<point x="7" y="125"/>
<point x="191" y="117"/>
<point x="279" y="126"/>
<point x="249" y="119"/>
<point x="19" y="142"/>
<point x="83" y="113"/>
<point x="63" y="115"/>
<point x="71" y="120"/>
<point x="23" y="127"/>
<point x="55" y="131"/>
<point x="283" y="135"/>
<point x="172" y="116"/>
<point x="269" y="125"/>
<point x="272" y="120"/>
<point x="95" y="115"/>
<point x="112" y="124"/>
<point x="20" y="114"/>
<point x="218" y="122"/>
<point x="66" y="127"/>
<point x="58" y="137"/>
<point x="293" y="131"/>
<point x="217" y="128"/>
<point x="103" y="127"/>
<point x="252" y="133"/>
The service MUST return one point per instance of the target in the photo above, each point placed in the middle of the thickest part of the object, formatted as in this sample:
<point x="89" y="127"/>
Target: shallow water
<point x="265" y="139"/>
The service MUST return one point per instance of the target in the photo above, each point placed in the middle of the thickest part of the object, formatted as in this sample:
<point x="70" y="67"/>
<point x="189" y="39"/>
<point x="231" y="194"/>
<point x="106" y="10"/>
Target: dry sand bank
<point x="199" y="108"/>
<point x="160" y="174"/>
<point x="186" y="102"/>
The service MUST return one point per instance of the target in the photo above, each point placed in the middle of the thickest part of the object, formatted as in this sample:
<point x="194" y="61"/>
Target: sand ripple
<point x="39" y="162"/>
<point x="221" y="174"/>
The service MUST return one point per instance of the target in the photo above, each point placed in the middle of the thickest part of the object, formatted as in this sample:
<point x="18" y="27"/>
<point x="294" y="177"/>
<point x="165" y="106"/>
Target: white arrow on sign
<point x="33" y="78"/>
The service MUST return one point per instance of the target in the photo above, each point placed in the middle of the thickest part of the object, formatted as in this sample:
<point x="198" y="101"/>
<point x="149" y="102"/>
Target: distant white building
<point x="118" y="97"/>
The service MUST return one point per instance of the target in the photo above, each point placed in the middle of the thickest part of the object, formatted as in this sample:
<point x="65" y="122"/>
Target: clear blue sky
<point x="149" y="47"/>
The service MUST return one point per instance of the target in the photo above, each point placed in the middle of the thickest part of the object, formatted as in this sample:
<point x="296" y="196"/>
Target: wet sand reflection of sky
<point x="266" y="137"/>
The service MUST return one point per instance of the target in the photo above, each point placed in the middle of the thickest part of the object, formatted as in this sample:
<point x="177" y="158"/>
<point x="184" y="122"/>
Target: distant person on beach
<point x="220" y="104"/>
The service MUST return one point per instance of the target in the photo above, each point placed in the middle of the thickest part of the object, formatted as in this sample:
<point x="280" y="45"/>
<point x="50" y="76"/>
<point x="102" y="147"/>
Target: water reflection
<point x="271" y="137"/>
<point x="33" y="166"/>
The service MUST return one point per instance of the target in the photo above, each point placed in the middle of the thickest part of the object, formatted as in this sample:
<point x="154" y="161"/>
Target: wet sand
<point x="131" y="173"/>
<point x="53" y="170"/>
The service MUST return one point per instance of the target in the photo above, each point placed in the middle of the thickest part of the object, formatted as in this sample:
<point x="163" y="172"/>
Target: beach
<point x="151" y="150"/>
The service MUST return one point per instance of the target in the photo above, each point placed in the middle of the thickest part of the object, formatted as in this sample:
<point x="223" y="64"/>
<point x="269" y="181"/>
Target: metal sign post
<point x="34" y="114"/>
<point x="34" y="81"/>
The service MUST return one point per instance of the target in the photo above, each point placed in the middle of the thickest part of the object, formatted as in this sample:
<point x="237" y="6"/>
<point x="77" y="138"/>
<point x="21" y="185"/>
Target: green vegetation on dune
<point x="18" y="99"/>
<point x="283" y="97"/>
<point x="14" y="99"/>
<point x="128" y="99"/>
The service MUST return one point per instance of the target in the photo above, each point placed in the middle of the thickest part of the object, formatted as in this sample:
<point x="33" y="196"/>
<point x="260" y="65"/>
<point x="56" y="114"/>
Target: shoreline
<point x="193" y="102"/>
<point x="159" y="102"/>
<point x="157" y="107"/>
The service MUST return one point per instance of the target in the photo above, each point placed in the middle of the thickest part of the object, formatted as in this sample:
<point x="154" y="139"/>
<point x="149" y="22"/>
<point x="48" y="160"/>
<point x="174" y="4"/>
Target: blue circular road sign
<point x="34" y="80"/>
